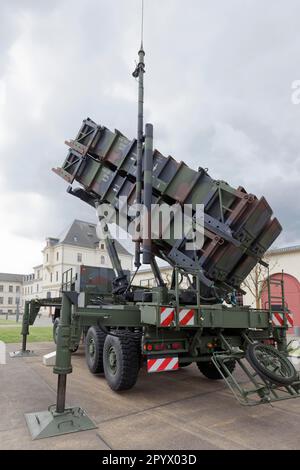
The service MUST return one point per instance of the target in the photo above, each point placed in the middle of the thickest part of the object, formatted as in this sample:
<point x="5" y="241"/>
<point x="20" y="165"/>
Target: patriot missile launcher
<point x="194" y="318"/>
<point x="170" y="326"/>
<point x="238" y="226"/>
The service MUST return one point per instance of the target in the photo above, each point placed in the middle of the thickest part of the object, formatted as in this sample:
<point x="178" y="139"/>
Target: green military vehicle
<point x="168" y="327"/>
<point x="194" y="319"/>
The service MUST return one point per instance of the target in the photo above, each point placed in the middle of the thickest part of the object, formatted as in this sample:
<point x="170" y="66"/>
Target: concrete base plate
<point x="21" y="353"/>
<point x="49" y="423"/>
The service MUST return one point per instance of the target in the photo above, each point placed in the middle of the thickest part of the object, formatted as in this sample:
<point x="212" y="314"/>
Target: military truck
<point x="168" y="327"/>
<point x="171" y="326"/>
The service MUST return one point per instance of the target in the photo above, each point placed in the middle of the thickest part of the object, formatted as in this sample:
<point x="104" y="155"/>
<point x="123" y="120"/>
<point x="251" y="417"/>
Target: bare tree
<point x="256" y="281"/>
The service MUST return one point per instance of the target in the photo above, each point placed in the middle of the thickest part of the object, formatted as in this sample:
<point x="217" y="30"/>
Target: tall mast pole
<point x="139" y="74"/>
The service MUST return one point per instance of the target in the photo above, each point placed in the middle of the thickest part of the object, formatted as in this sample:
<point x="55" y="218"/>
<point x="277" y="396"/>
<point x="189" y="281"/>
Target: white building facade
<point x="78" y="245"/>
<point x="11" y="293"/>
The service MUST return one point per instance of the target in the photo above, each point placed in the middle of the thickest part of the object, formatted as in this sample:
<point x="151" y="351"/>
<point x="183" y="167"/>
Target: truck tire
<point x="94" y="342"/>
<point x="271" y="364"/>
<point x="121" y="362"/>
<point x="185" y="364"/>
<point x="211" y="372"/>
<point x="55" y="329"/>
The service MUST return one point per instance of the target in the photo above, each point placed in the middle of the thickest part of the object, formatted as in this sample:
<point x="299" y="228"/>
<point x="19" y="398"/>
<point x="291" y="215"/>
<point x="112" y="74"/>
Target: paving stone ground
<point x="173" y="411"/>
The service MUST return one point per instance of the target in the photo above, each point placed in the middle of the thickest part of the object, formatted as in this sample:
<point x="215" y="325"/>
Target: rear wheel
<point x="121" y="362"/>
<point x="94" y="343"/>
<point x="211" y="372"/>
<point x="55" y="329"/>
<point x="55" y="333"/>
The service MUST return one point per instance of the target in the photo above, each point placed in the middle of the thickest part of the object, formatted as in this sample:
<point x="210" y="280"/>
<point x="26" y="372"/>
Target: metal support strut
<point x="148" y="168"/>
<point x="58" y="419"/>
<point x="139" y="73"/>
<point x="23" y="352"/>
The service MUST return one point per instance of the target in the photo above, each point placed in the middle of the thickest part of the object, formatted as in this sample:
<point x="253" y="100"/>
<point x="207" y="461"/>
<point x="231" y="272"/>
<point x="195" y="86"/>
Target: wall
<point x="15" y="295"/>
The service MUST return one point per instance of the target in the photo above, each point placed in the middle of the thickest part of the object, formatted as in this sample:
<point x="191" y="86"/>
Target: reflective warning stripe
<point x="167" y="316"/>
<point x="186" y="317"/>
<point x="278" y="319"/>
<point x="290" y="319"/>
<point x="162" y="364"/>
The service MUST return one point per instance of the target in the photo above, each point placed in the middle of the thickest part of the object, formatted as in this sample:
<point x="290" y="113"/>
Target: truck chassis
<point x="120" y="338"/>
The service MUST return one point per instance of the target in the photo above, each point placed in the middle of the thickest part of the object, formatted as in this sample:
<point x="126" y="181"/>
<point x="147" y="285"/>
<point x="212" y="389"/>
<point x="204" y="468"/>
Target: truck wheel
<point x="55" y="329"/>
<point x="185" y="364"/>
<point x="271" y="364"/>
<point x="55" y="332"/>
<point x="211" y="372"/>
<point x="121" y="362"/>
<point x="94" y="342"/>
<point x="74" y="349"/>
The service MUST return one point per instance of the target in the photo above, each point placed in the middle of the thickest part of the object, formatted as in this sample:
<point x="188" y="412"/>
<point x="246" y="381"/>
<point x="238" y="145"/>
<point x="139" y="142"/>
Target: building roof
<point x="162" y="267"/>
<point x="285" y="249"/>
<point x="83" y="234"/>
<point x="8" y="277"/>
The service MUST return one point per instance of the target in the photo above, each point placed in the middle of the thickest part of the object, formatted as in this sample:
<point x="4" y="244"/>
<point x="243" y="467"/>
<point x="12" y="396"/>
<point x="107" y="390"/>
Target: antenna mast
<point x="139" y="74"/>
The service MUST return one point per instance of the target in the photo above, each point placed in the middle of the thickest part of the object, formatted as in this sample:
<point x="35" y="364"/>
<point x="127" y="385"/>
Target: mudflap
<point x="248" y="387"/>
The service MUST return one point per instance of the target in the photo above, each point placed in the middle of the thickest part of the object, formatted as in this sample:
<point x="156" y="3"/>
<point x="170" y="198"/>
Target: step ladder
<point x="250" y="388"/>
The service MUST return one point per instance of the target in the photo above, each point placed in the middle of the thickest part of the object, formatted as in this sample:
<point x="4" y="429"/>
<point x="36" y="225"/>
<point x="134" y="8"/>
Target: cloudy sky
<point x="218" y="91"/>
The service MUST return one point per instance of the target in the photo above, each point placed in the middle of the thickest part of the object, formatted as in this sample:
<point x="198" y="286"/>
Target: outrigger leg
<point x="58" y="419"/>
<point x="30" y="312"/>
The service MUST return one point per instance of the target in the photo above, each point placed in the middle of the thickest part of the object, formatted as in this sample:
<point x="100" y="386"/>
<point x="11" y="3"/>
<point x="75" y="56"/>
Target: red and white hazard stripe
<point x="162" y="364"/>
<point x="167" y="316"/>
<point x="289" y="319"/>
<point x="278" y="319"/>
<point x="186" y="317"/>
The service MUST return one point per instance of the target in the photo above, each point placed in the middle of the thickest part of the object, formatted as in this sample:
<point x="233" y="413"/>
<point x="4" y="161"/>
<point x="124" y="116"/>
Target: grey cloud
<point x="218" y="78"/>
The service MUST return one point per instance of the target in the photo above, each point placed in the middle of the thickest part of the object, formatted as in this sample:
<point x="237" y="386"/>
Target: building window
<point x="47" y="257"/>
<point x="17" y="289"/>
<point x="102" y="259"/>
<point x="79" y="257"/>
<point x="38" y="274"/>
<point x="51" y="277"/>
<point x="1" y="300"/>
<point x="9" y="311"/>
<point x="37" y="287"/>
<point x="10" y="300"/>
<point x="102" y="246"/>
<point x="56" y="276"/>
<point x="57" y="256"/>
<point x="10" y="288"/>
<point x="1" y="288"/>
<point x="31" y="289"/>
